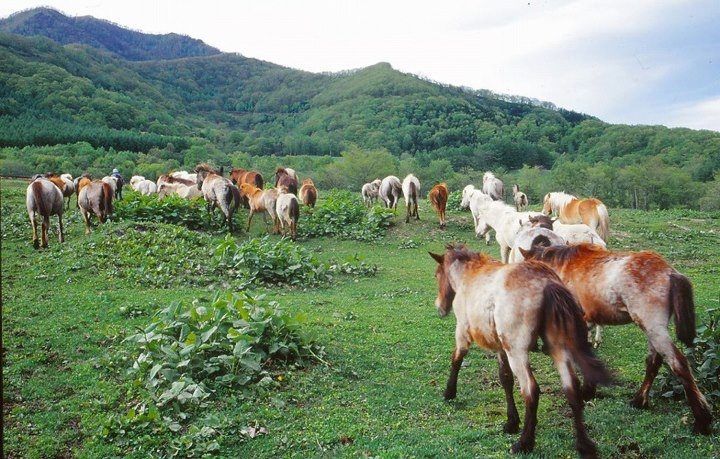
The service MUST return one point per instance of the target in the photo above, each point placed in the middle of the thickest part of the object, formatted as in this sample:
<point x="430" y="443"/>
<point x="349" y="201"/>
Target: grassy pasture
<point x="388" y="352"/>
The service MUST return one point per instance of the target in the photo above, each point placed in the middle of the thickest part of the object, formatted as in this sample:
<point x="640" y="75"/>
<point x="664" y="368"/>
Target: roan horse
<point x="218" y="191"/>
<point x="287" y="209"/>
<point x="570" y="209"/>
<point x="617" y="288"/>
<point x="43" y="199"/>
<point x="504" y="308"/>
<point x="95" y="198"/>
<point x="240" y="176"/>
<point x="286" y="178"/>
<point x="411" y="191"/>
<point x="370" y="191"/>
<point x="438" y="197"/>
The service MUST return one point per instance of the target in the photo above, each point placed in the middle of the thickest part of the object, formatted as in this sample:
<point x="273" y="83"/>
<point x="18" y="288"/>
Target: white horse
<point x="473" y="198"/>
<point x="578" y="233"/>
<point x="134" y="180"/>
<point x="493" y="186"/>
<point x="369" y="192"/>
<point x="146" y="187"/>
<point x="390" y="189"/>
<point x="287" y="209"/>
<point x="520" y="199"/>
<point x="43" y="199"/>
<point x="411" y="190"/>
<point x="179" y="189"/>
<point x="505" y="220"/>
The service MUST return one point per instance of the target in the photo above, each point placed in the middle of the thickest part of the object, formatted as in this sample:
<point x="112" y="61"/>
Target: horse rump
<point x="37" y="193"/>
<point x="564" y="327"/>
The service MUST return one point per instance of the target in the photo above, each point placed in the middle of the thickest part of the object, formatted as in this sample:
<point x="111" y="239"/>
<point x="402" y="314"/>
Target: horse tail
<point x="106" y="205"/>
<point x="413" y="192"/>
<point x="540" y="241"/>
<point x="294" y="210"/>
<point x="37" y="193"/>
<point x="524" y="200"/>
<point x="681" y="298"/>
<point x="565" y="329"/>
<point x="235" y="197"/>
<point x="603" y="227"/>
<point x="258" y="181"/>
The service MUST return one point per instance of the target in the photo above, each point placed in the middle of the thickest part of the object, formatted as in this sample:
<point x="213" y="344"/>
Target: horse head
<point x="446" y="294"/>
<point x="547" y="204"/>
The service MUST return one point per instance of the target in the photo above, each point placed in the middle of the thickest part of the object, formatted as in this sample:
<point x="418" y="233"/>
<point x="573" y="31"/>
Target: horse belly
<point x="607" y="309"/>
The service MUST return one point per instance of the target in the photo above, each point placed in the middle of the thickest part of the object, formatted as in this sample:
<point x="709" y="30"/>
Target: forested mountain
<point x="163" y="113"/>
<point x="87" y="30"/>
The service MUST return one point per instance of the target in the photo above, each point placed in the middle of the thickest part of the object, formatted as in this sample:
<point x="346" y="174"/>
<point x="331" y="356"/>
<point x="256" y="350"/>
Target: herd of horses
<point x="555" y="278"/>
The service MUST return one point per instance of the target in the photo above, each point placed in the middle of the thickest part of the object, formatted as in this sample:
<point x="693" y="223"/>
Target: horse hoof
<point x="640" y="403"/>
<point x="511" y="427"/>
<point x="702" y="428"/>
<point x="449" y="395"/>
<point x="520" y="447"/>
<point x="586" y="449"/>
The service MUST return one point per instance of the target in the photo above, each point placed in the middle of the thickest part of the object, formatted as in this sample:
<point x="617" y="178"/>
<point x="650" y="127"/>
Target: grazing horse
<point x="389" y="191"/>
<point x="308" y="193"/>
<point x="438" y="198"/>
<point x="184" y="187"/>
<point x="261" y="201"/>
<point x="504" y="219"/>
<point x="520" y="198"/>
<point x="240" y="176"/>
<point x="134" y="180"/>
<point x="287" y="210"/>
<point x="570" y="209"/>
<point x="218" y="192"/>
<point x="286" y="177"/>
<point x="146" y="187"/>
<point x="411" y="190"/>
<point x="43" y="199"/>
<point x="95" y="198"/>
<point x="572" y="234"/>
<point x="504" y="308"/>
<point x="616" y="288"/>
<point x="81" y="182"/>
<point x="369" y="192"/>
<point x="493" y="187"/>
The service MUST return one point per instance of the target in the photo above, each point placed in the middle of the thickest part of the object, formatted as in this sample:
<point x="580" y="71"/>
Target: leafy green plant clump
<point x="190" y="213"/>
<point x="704" y="359"/>
<point x="343" y="215"/>
<point x="190" y="349"/>
<point x="454" y="200"/>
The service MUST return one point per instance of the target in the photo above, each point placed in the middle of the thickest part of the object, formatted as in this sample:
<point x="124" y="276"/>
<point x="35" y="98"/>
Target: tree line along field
<point x="375" y="391"/>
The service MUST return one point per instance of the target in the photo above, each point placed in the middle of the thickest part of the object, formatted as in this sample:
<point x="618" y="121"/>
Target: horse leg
<point x="520" y="365"/>
<point x="458" y="355"/>
<point x="506" y="379"/>
<point x="417" y="215"/>
<point x="504" y="253"/>
<point x="86" y="218"/>
<point x="584" y="445"/>
<point x="33" y="223"/>
<point x="249" y="219"/>
<point x="408" y="211"/>
<point x="598" y="336"/>
<point x="60" y="229"/>
<point x="44" y="235"/>
<point x="652" y="365"/>
<point x="661" y="341"/>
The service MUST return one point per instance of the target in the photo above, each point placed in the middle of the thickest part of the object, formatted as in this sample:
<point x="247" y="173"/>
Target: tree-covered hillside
<point x="87" y="30"/>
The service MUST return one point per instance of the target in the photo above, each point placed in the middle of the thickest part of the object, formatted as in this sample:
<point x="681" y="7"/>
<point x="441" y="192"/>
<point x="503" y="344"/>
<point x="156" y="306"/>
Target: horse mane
<point x="308" y="181"/>
<point x="541" y="221"/>
<point x="560" y="198"/>
<point x="205" y="167"/>
<point x="564" y="253"/>
<point x="171" y="179"/>
<point x="280" y="170"/>
<point x="460" y="252"/>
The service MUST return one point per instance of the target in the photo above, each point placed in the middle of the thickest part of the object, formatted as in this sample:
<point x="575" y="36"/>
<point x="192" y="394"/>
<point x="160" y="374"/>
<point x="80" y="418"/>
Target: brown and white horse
<point x="240" y="176"/>
<point x="43" y="198"/>
<point x="389" y="191"/>
<point x="411" y="193"/>
<point x="504" y="308"/>
<point x="308" y="192"/>
<point x="80" y="183"/>
<point x="95" y="198"/>
<point x="570" y="209"/>
<point x="438" y="198"/>
<point x="286" y="177"/>
<point x="617" y="288"/>
<point x="369" y="192"/>
<point x="287" y="209"/>
<point x="261" y="201"/>
<point x="218" y="191"/>
<point x="519" y="198"/>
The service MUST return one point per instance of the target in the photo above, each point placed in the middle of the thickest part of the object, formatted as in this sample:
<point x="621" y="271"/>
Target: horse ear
<point x="527" y="254"/>
<point x="439" y="258"/>
<point x="222" y="170"/>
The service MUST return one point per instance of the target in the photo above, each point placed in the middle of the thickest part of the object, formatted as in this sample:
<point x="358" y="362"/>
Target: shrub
<point x="190" y="213"/>
<point x="190" y="349"/>
<point x="342" y="214"/>
<point x="264" y="261"/>
<point x="454" y="200"/>
<point x="704" y="358"/>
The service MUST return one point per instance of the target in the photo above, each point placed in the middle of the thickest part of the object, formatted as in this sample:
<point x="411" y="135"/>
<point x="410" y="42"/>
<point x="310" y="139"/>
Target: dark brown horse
<point x="284" y="178"/>
<point x="240" y="176"/>
<point x="616" y="288"/>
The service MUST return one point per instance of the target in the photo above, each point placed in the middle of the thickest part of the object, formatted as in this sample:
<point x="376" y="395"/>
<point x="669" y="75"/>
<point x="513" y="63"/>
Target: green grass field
<point x="388" y="353"/>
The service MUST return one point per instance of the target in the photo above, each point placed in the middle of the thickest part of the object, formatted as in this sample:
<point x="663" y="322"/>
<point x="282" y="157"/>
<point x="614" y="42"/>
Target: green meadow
<point x="374" y="391"/>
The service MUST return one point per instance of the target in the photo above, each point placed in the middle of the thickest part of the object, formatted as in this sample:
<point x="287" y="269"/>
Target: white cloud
<point x="699" y="115"/>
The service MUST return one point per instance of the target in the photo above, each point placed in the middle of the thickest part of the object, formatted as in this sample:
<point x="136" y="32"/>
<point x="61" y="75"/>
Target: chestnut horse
<point x="438" y="198"/>
<point x="43" y="198"/>
<point x="240" y="176"/>
<point x="616" y="288"/>
<point x="286" y="178"/>
<point x="95" y="198"/>
<point x="504" y="308"/>
<point x="570" y="209"/>
<point x="308" y="193"/>
<point x="261" y="201"/>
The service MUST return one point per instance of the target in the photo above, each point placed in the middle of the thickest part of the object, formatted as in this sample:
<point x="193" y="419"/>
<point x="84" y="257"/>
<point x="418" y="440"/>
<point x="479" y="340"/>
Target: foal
<point x="308" y="192"/>
<point x="240" y="176"/>
<point x="616" y="288"/>
<point x="438" y="198"/>
<point x="504" y="308"/>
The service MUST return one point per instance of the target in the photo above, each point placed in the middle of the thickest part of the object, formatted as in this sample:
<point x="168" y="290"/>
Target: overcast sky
<point x="629" y="61"/>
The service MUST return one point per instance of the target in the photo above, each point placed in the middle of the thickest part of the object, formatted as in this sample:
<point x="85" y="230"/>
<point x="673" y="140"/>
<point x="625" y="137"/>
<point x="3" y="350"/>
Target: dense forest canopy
<point x="88" y="105"/>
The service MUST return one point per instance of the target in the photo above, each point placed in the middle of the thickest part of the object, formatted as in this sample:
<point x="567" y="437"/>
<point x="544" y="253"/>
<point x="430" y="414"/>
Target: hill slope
<point x="87" y="30"/>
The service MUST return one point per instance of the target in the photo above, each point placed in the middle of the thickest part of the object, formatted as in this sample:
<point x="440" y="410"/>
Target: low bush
<point x="704" y="359"/>
<point x="342" y="214"/>
<point x="191" y="213"/>
<point x="454" y="200"/>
